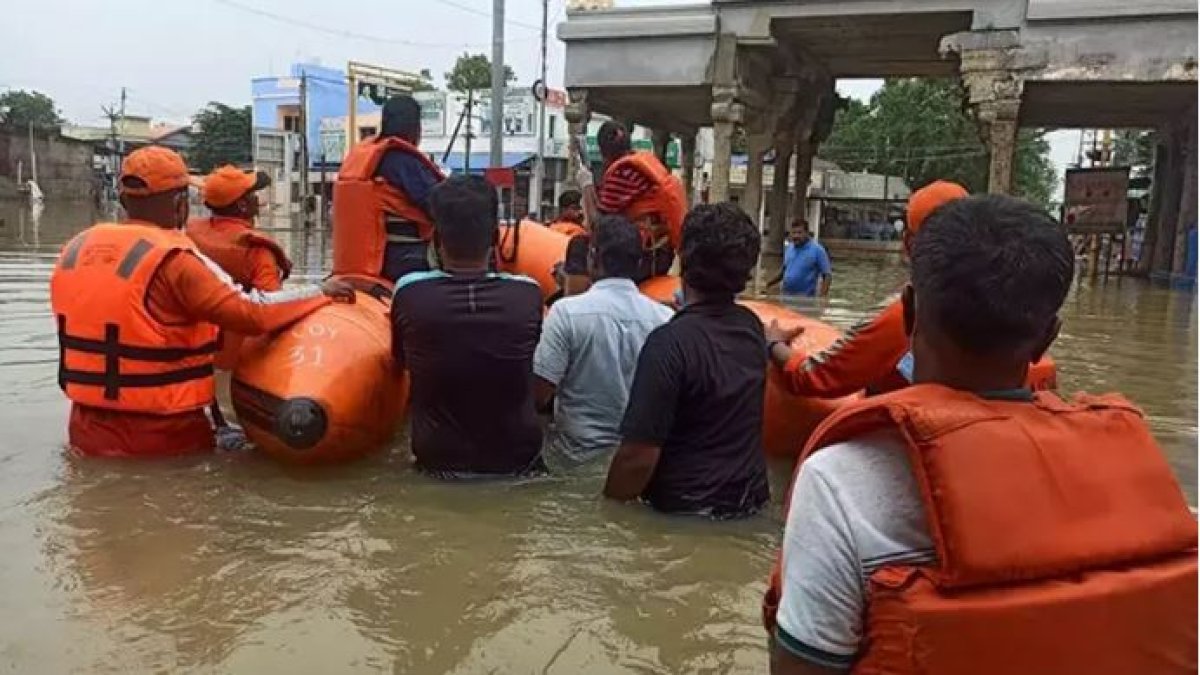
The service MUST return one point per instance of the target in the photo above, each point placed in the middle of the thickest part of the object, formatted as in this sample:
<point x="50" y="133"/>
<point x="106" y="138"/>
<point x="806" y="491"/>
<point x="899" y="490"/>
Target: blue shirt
<point x="409" y="174"/>
<point x="803" y="266"/>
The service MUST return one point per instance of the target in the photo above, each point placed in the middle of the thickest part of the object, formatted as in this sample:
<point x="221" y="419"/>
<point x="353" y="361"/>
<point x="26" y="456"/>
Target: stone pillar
<point x="994" y="80"/>
<point x="1002" y="150"/>
<point x="687" y="165"/>
<point x="1187" y="203"/>
<point x="660" y="139"/>
<point x="1170" y="196"/>
<point x="1158" y="181"/>
<point x="804" y="163"/>
<point x="752" y="197"/>
<point x="726" y="114"/>
<point x="777" y="229"/>
<point x="578" y="113"/>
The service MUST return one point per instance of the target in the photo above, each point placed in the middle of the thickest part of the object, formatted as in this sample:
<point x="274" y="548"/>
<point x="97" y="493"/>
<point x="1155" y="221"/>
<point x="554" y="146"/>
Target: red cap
<point x="227" y="184"/>
<point x="927" y="200"/>
<point x="152" y="170"/>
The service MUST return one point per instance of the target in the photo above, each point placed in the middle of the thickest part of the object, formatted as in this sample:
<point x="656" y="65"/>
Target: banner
<point x="1096" y="201"/>
<point x="433" y="112"/>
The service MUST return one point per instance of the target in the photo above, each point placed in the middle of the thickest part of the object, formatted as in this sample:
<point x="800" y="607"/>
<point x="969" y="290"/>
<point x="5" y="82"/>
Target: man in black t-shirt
<point x="467" y="337"/>
<point x="691" y="439"/>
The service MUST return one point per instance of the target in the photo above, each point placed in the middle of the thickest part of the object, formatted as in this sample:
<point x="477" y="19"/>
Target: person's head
<point x="401" y="117"/>
<point x="154" y="187"/>
<point x="616" y="250"/>
<point x="464" y="212"/>
<point x="570" y="206"/>
<point x="719" y="249"/>
<point x="989" y="275"/>
<point x="231" y="192"/>
<point x="799" y="232"/>
<point x="922" y="204"/>
<point x="613" y="139"/>
<point x="573" y="275"/>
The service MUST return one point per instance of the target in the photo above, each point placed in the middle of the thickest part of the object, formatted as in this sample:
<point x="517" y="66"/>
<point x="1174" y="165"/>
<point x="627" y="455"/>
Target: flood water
<point x="232" y="564"/>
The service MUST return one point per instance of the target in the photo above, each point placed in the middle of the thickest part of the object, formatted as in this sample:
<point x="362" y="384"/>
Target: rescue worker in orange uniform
<point x="570" y="214"/>
<point x="873" y="354"/>
<point x="138" y="311"/>
<point x="968" y="524"/>
<point x="640" y="187"/>
<point x="381" y="221"/>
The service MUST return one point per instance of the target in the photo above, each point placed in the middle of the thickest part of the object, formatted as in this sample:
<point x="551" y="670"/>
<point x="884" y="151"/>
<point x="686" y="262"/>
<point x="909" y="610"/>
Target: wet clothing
<point x="803" y="267"/>
<point x="468" y="341"/>
<point x="621" y="187"/>
<point x="588" y="351"/>
<point x="249" y="256"/>
<point x="698" y="394"/>
<point x="864" y="358"/>
<point x="187" y="288"/>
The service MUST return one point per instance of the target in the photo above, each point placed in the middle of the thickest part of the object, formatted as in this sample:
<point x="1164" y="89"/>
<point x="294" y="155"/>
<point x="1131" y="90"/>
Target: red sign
<point x="501" y="178"/>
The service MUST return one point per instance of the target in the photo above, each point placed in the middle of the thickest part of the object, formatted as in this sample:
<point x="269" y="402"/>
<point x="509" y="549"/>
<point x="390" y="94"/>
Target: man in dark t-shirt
<point x="467" y="337"/>
<point x="691" y="438"/>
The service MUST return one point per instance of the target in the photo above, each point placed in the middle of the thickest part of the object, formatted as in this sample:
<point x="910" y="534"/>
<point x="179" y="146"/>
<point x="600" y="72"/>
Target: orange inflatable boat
<point x="324" y="390"/>
<point x="787" y="419"/>
<point x="532" y="249"/>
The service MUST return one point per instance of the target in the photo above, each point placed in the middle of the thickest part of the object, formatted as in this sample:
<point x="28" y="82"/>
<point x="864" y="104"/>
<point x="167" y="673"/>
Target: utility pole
<point x="539" y="169"/>
<point x="467" y="138"/>
<point x="304" y="187"/>
<point x="498" y="84"/>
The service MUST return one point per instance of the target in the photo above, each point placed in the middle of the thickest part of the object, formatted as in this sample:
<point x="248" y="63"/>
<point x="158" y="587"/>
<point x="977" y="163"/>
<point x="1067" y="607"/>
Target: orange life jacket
<point x="567" y="227"/>
<point x="112" y="353"/>
<point x="363" y="205"/>
<point x="228" y="242"/>
<point x="663" y="207"/>
<point x="1063" y="540"/>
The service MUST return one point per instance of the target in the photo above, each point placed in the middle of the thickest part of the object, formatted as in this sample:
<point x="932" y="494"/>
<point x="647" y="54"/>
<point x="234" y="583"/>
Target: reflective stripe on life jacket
<point x="113" y="353"/>
<point x="228" y="242"/>
<point x="365" y="206"/>
<point x="659" y="213"/>
<point x="1064" y="543"/>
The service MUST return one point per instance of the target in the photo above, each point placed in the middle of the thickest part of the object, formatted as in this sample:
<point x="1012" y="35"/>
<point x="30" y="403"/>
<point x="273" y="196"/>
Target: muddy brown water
<point x="232" y="564"/>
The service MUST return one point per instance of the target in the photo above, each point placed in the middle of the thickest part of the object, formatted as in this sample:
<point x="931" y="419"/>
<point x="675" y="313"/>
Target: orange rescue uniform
<point x="660" y="211"/>
<point x="567" y="227"/>
<point x="365" y="206"/>
<point x="867" y="358"/>
<point x="1064" y="543"/>
<point x="253" y="259"/>
<point x="138" y="313"/>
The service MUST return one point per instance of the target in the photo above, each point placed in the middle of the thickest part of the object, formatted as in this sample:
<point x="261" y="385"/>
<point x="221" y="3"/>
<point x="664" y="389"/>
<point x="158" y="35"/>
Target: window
<point x="366" y="132"/>
<point x="291" y="123"/>
<point x="553" y="126"/>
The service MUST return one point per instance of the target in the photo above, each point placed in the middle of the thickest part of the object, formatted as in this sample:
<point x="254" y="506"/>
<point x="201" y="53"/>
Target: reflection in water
<point x="234" y="564"/>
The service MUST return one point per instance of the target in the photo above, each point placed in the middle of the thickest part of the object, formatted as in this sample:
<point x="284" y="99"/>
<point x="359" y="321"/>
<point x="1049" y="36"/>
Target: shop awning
<point x="481" y="160"/>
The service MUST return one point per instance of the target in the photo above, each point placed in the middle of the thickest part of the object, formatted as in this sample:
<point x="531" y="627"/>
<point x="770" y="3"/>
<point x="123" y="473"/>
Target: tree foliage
<point x="223" y="136"/>
<point x="1134" y="148"/>
<point x="19" y="109"/>
<point x="425" y="83"/>
<point x="918" y="129"/>
<point x="474" y="72"/>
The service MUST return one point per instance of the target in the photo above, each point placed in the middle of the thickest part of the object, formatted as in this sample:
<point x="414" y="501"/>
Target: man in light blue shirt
<point x="806" y="269"/>
<point x="589" y="349"/>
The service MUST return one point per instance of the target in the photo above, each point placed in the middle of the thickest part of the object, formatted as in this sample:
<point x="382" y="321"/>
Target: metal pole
<point x="467" y="138"/>
<point x="352" y="112"/>
<point x="304" y="186"/>
<point x="498" y="84"/>
<point x="539" y="170"/>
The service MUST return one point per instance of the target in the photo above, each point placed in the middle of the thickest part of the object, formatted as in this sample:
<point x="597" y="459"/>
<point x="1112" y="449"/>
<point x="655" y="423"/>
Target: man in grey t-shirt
<point x="589" y="349"/>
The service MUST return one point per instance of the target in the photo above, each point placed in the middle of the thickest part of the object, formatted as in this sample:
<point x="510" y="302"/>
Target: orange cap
<point x="227" y="184"/>
<point x="927" y="200"/>
<point x="152" y="170"/>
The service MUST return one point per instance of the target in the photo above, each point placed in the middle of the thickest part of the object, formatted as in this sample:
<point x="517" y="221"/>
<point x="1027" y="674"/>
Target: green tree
<point x="19" y="109"/>
<point x="223" y="136"/>
<point x="474" y="72"/>
<point x="918" y="129"/>
<point x="426" y="81"/>
<point x="1134" y="148"/>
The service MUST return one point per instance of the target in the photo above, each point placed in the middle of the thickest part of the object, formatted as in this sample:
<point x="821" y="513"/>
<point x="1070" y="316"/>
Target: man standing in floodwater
<point x="467" y="337"/>
<point x="806" y="269"/>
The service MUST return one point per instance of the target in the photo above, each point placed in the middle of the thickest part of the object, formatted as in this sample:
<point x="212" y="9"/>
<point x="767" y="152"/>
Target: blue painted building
<point x="276" y="103"/>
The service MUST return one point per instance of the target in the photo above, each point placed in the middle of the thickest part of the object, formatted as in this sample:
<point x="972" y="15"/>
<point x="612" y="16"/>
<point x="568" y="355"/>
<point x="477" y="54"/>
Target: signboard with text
<point x="1096" y="200"/>
<point x="433" y="113"/>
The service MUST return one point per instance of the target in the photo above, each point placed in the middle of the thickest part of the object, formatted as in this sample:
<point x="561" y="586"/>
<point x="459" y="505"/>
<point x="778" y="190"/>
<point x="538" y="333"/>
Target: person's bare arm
<point x="631" y="470"/>
<point x="823" y="289"/>
<point x="543" y="393"/>
<point x="784" y="662"/>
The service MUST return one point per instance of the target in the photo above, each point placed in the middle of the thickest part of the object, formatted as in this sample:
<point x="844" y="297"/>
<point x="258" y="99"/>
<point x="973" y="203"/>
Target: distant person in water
<point x="467" y="337"/>
<point x="691" y="438"/>
<point x="806" y="269"/>
<point x="589" y="348"/>
<point x="570" y="214"/>
<point x="572" y="273"/>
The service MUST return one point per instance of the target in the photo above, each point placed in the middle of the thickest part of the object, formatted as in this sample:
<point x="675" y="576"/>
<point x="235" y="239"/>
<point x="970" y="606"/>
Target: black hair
<point x="991" y="272"/>
<point x="577" y="253"/>
<point x="464" y="213"/>
<point x="569" y="198"/>
<point x="720" y="247"/>
<point x="801" y="223"/>
<point x="618" y="246"/>
<point x="401" y="117"/>
<point x="613" y="139"/>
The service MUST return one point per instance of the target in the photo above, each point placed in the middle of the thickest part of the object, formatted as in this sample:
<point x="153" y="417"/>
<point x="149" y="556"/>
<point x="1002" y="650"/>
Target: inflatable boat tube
<point x="323" y="390"/>
<point x="787" y="420"/>
<point x="532" y="249"/>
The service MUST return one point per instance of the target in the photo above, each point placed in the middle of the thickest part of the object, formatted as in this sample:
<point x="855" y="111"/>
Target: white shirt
<point x="589" y="350"/>
<point x="855" y="508"/>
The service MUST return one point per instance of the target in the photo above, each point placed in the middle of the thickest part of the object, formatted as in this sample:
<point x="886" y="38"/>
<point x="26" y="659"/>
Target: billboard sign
<point x="1096" y="200"/>
<point x="433" y="113"/>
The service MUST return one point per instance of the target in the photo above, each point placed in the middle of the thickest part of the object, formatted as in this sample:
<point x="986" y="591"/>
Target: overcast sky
<point x="176" y="56"/>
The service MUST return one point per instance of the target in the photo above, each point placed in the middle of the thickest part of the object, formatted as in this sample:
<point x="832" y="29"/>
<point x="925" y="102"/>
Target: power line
<point x="480" y="12"/>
